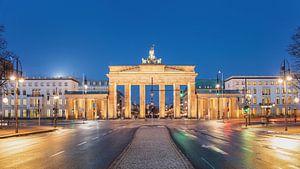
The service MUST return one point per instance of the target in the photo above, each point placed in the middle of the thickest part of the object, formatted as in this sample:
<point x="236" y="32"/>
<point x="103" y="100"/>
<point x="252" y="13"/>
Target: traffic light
<point x="246" y="109"/>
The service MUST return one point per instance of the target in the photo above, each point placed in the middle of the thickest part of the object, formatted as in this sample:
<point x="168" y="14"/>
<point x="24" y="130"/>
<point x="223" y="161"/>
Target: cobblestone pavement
<point x="152" y="148"/>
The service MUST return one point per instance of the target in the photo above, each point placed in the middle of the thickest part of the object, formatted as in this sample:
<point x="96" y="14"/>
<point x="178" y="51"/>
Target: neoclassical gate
<point x="151" y="72"/>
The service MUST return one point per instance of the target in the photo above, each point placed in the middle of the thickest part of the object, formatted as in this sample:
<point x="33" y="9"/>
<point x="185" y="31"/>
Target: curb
<point x="27" y="133"/>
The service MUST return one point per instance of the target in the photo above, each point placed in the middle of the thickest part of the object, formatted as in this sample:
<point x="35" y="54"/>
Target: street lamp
<point x="296" y="101"/>
<point x="218" y="95"/>
<point x="5" y="101"/>
<point x="285" y="73"/>
<point x="55" y="99"/>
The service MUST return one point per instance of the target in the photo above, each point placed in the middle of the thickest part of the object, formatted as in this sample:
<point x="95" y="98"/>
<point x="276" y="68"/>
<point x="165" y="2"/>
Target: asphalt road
<point x="214" y="144"/>
<point x="90" y="145"/>
<point x="207" y="144"/>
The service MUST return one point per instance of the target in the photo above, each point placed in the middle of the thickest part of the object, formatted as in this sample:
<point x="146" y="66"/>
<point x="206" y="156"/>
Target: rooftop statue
<point x="151" y="58"/>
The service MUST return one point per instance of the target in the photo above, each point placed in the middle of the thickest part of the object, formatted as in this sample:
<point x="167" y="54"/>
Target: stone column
<point x="112" y="100"/>
<point x="142" y="101"/>
<point x="162" y="101"/>
<point x="191" y="101"/>
<point x="176" y="103"/>
<point x="127" y="89"/>
<point x="76" y="103"/>
<point x="70" y="103"/>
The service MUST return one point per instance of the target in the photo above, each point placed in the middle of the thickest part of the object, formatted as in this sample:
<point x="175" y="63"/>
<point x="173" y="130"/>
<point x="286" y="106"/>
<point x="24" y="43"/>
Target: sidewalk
<point x="6" y="132"/>
<point x="152" y="147"/>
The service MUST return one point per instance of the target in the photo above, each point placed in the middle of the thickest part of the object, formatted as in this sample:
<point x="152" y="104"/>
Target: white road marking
<point x="95" y="138"/>
<point x="207" y="162"/>
<point x="292" y="166"/>
<point x="57" y="153"/>
<point x="247" y="149"/>
<point x="216" y="149"/>
<point x="81" y="143"/>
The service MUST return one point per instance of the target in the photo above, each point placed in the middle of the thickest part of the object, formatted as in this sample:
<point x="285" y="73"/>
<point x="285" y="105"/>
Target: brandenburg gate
<point x="199" y="103"/>
<point x="150" y="72"/>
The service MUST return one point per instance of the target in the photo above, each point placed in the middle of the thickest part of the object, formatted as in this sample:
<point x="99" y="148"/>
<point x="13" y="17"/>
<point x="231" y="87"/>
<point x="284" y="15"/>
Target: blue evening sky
<point x="68" y="37"/>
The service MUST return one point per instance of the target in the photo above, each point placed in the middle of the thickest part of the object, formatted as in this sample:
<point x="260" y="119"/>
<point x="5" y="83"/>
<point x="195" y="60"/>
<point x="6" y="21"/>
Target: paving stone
<point x="152" y="148"/>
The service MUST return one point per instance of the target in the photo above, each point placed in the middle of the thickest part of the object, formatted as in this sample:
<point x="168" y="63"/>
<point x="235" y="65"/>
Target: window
<point x="248" y="83"/>
<point x="248" y="91"/>
<point x="42" y="84"/>
<point x="254" y="83"/>
<point x="24" y="102"/>
<point x="35" y="83"/>
<point x="260" y="83"/>
<point x="254" y="100"/>
<point x="266" y="82"/>
<point x="60" y="101"/>
<point x="29" y="84"/>
<point x="59" y="84"/>
<point x="266" y="91"/>
<point x="36" y="92"/>
<point x="66" y="83"/>
<point x="53" y="84"/>
<point x="289" y="90"/>
<point x="24" y="113"/>
<point x="289" y="100"/>
<point x="48" y="113"/>
<point x="24" y="92"/>
<point x="237" y="83"/>
<point x="254" y="90"/>
<point x="6" y="113"/>
<point x="272" y="82"/>
<point x="243" y="83"/>
<point x="12" y="102"/>
<point x="278" y="90"/>
<point x="283" y="100"/>
<point x="277" y="100"/>
<point x="48" y="84"/>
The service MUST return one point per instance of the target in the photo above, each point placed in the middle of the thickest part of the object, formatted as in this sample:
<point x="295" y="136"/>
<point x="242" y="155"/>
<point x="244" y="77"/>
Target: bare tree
<point x="6" y="60"/>
<point x="294" y="48"/>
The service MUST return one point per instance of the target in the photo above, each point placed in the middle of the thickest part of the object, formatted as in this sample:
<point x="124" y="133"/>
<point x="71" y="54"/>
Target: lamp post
<point x="285" y="76"/>
<point x="5" y="101"/>
<point x="17" y="79"/>
<point x="84" y="92"/>
<point x="55" y="99"/>
<point x="218" y="95"/>
<point x="296" y="101"/>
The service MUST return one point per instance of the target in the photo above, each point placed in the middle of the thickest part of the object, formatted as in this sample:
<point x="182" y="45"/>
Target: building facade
<point x="38" y="95"/>
<point x="267" y="95"/>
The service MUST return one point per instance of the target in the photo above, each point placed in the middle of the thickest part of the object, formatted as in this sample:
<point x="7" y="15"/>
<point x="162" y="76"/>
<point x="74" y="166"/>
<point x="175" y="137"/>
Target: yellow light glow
<point x="5" y="100"/>
<point x="21" y="80"/>
<point x="280" y="80"/>
<point x="289" y="78"/>
<point x="296" y="100"/>
<point x="12" y="77"/>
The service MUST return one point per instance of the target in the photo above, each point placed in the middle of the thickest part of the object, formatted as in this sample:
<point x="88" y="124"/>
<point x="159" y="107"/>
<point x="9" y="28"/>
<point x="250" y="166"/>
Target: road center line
<point x="57" y="153"/>
<point x="247" y="149"/>
<point x="81" y="143"/>
<point x="208" y="163"/>
<point x="95" y="138"/>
